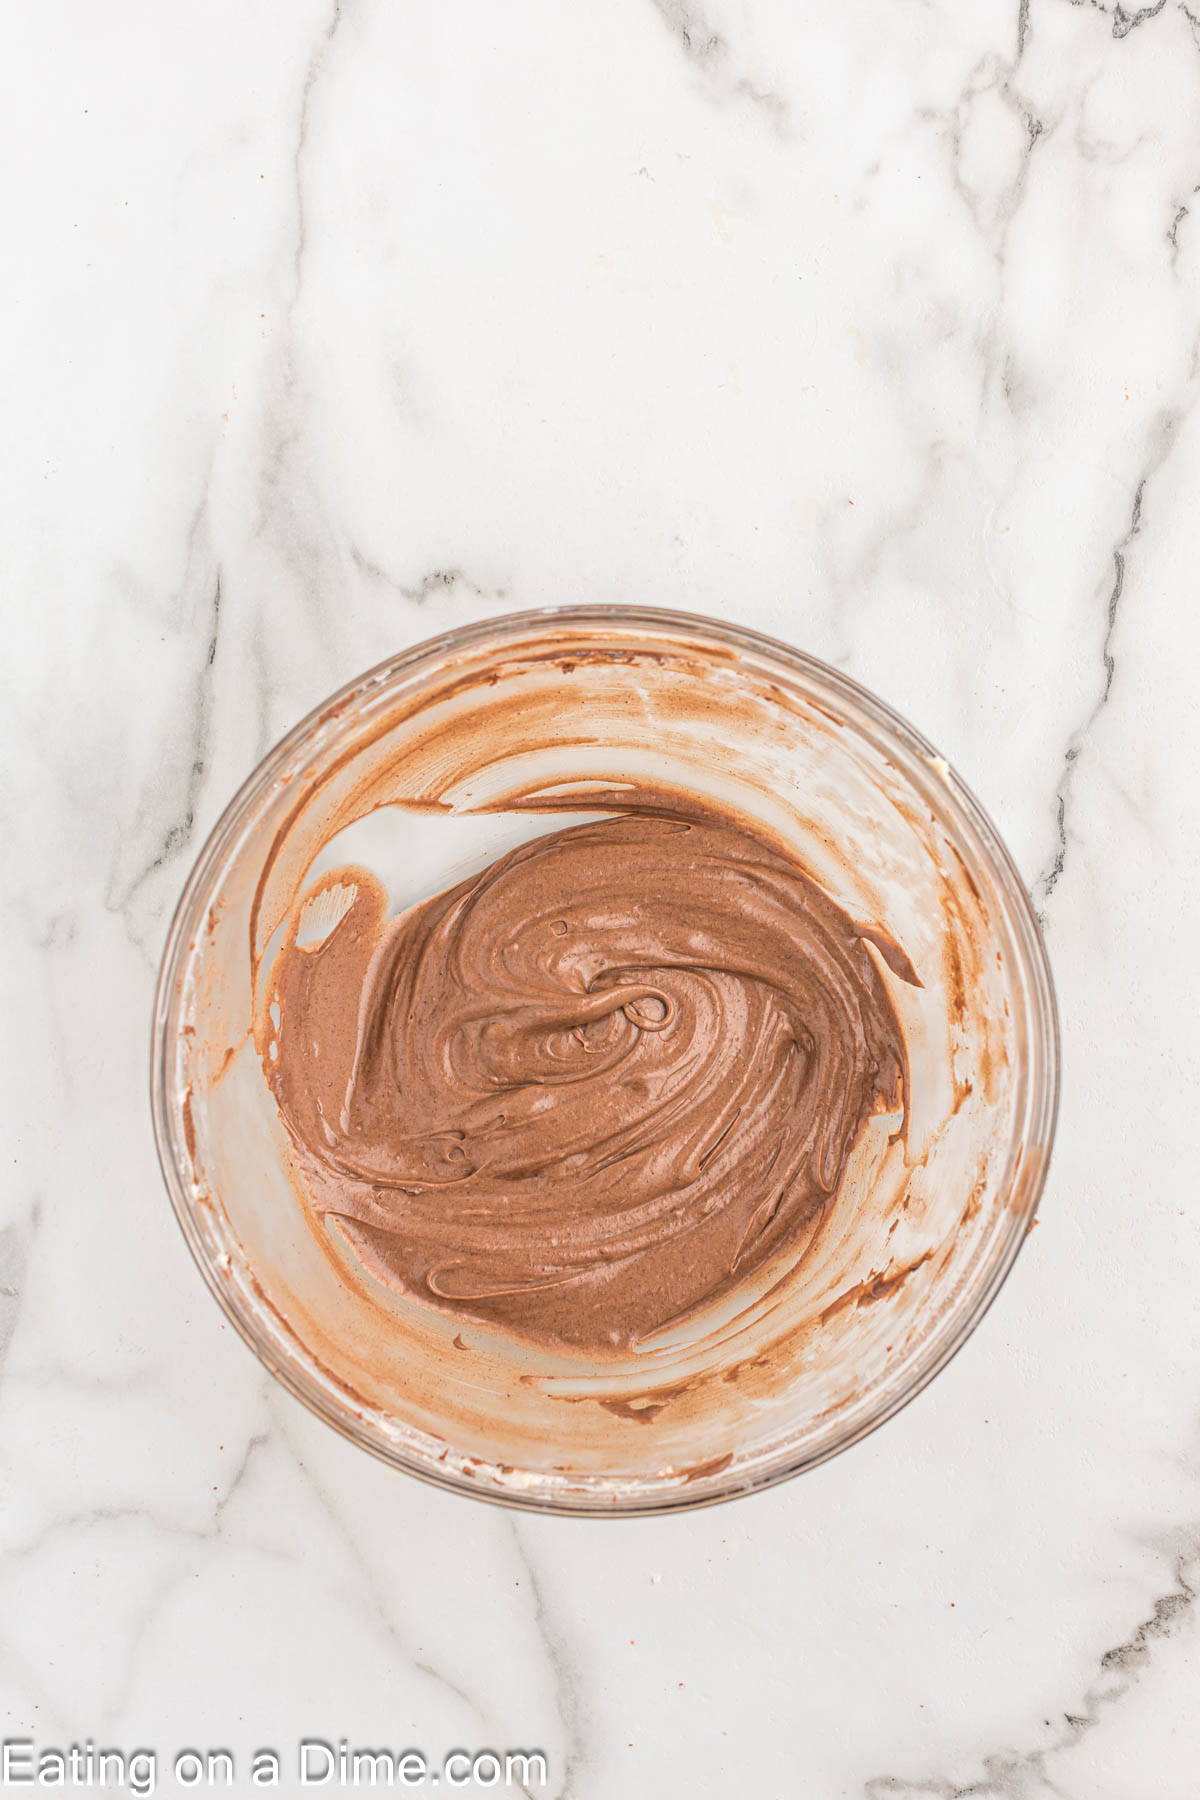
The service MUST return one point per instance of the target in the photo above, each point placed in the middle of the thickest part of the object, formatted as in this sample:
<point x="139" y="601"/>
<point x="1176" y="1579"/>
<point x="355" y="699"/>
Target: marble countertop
<point x="875" y="326"/>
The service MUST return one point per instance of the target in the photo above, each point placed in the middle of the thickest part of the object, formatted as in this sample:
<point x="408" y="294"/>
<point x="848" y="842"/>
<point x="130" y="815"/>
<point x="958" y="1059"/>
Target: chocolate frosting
<point x="591" y="1090"/>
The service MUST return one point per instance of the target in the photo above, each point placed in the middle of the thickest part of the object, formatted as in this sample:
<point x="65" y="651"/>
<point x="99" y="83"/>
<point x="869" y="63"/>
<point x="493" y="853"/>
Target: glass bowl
<point x="428" y="767"/>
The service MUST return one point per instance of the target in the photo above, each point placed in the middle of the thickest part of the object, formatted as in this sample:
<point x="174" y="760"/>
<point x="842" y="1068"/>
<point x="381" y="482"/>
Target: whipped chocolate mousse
<point x="593" y="1089"/>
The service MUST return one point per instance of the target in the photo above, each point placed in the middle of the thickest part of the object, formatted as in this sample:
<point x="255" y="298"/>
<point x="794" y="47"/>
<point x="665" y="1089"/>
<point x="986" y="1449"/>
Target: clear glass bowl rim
<point x="867" y="713"/>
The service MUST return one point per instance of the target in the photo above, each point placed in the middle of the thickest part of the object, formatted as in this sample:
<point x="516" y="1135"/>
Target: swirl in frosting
<point x="592" y="1090"/>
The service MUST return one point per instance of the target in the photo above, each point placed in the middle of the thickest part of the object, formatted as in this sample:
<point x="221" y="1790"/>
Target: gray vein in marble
<point x="153" y="1606"/>
<point x="375" y="1608"/>
<point x="57" y="931"/>
<point x="16" y="1245"/>
<point x="316" y="66"/>
<point x="41" y="1373"/>
<point x="710" y="53"/>
<point x="569" y="1698"/>
<point x="90" y="1516"/>
<point x="1182" y="211"/>
<point x="991" y="205"/>
<point x="1118" y="589"/>
<point x="435" y="582"/>
<point x="1024" y="1775"/>
<point x="190" y="767"/>
<point x="1022" y="28"/>
<point x="12" y="1659"/>
<point x="261" y="682"/>
<point x="1050" y="880"/>
<point x="1163" y="435"/>
<point x="87" y="1517"/>
<point x="143" y="1516"/>
<point x="878" y="540"/>
<point x="257" y="1441"/>
<point x="1124" y="22"/>
<point x="990" y="77"/>
<point x="283" y="506"/>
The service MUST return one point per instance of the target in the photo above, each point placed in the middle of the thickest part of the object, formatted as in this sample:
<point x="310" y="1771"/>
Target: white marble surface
<point x="874" y="325"/>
